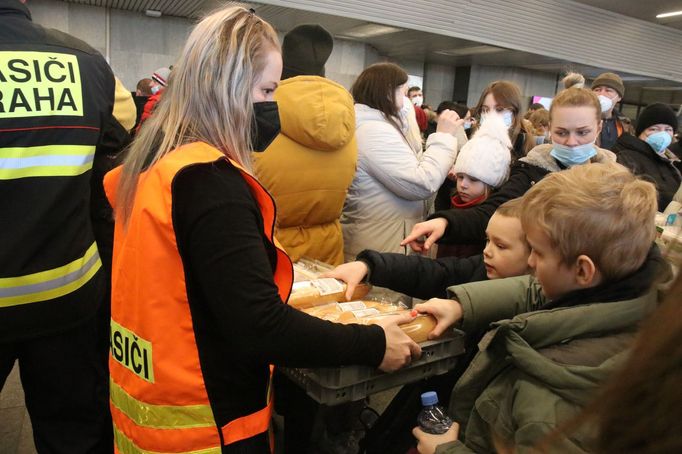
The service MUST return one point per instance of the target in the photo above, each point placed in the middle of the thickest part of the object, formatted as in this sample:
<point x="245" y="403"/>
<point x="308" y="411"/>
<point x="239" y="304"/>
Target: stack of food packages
<point x="325" y="298"/>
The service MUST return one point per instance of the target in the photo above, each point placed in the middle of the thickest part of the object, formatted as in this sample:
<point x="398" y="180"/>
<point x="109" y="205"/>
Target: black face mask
<point x="265" y="124"/>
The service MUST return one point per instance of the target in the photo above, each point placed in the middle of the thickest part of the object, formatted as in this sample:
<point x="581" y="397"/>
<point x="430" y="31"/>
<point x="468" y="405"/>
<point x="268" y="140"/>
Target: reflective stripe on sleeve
<point x="50" y="284"/>
<point x="45" y="161"/>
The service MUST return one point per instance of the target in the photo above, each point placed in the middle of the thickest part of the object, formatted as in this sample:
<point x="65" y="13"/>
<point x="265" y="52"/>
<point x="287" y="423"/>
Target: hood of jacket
<point x="555" y="346"/>
<point x="316" y="112"/>
<point x="539" y="156"/>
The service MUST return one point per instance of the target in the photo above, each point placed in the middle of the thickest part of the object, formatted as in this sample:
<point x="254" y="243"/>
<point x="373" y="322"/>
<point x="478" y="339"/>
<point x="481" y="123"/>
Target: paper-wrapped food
<point x="316" y="292"/>
<point x="370" y="312"/>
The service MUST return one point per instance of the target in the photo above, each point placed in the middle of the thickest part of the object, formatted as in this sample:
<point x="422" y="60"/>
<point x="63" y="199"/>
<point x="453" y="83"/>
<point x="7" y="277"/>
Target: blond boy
<point x="556" y="336"/>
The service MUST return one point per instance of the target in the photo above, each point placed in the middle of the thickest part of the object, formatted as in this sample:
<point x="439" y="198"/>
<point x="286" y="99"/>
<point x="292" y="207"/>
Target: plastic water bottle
<point x="433" y="419"/>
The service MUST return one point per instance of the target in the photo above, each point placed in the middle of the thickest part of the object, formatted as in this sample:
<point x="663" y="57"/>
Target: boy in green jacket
<point x="555" y="337"/>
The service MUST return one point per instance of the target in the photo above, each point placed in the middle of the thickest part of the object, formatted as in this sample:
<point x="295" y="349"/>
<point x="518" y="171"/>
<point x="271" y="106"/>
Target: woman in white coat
<point x="395" y="180"/>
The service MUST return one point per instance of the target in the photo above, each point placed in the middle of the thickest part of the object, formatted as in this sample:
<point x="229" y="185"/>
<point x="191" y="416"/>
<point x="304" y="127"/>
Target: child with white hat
<point x="481" y="166"/>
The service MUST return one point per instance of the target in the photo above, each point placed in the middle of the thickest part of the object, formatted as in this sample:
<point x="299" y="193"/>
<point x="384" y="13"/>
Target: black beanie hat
<point x="655" y="114"/>
<point x="305" y="50"/>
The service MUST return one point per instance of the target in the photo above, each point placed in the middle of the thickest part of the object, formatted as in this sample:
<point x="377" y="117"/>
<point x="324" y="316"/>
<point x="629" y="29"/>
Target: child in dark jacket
<point x="481" y="166"/>
<point x="505" y="255"/>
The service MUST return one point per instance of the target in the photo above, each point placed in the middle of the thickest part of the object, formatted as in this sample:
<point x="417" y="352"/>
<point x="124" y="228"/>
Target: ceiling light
<point x="369" y="31"/>
<point x="674" y="13"/>
<point x="152" y="13"/>
<point x="473" y="50"/>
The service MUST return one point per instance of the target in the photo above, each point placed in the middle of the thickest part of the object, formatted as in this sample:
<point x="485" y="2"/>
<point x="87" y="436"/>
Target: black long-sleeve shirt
<point x="239" y="320"/>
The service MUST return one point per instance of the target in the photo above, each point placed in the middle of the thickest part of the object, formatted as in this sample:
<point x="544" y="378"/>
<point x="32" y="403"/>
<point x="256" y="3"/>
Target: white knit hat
<point x="487" y="155"/>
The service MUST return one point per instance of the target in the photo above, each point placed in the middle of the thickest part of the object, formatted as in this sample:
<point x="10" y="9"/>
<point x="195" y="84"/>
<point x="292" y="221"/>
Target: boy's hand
<point x="433" y="229"/>
<point x="446" y="312"/>
<point x="428" y="443"/>
<point x="351" y="273"/>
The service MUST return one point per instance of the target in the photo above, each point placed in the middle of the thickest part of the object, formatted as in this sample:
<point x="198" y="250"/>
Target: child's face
<point x="556" y="277"/>
<point x="573" y="126"/>
<point x="506" y="252"/>
<point x="469" y="188"/>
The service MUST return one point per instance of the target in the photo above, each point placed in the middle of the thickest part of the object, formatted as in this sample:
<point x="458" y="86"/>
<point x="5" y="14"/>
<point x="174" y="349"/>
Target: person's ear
<point x="586" y="272"/>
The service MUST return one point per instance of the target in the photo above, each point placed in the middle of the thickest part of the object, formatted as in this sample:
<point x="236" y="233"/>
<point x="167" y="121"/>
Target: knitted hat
<point x="487" y="155"/>
<point x="655" y="114"/>
<point x="161" y="76"/>
<point x="305" y="50"/>
<point x="610" y="80"/>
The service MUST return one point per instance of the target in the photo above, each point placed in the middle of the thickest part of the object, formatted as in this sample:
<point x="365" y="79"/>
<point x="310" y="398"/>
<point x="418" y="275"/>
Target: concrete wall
<point x="532" y="83"/>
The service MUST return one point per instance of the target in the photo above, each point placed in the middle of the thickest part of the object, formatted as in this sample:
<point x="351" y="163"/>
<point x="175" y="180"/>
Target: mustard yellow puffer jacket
<point x="310" y="165"/>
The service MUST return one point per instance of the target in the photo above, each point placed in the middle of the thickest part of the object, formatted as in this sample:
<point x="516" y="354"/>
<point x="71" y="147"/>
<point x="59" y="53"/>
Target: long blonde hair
<point x="208" y="98"/>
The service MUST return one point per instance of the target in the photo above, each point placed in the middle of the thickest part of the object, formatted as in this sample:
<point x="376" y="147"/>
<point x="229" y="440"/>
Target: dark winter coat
<point x="663" y="170"/>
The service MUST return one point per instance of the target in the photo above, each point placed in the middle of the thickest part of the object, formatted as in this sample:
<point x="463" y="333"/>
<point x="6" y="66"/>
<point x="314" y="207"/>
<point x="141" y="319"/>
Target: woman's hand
<point x="351" y="273"/>
<point x="427" y="443"/>
<point x="400" y="349"/>
<point x="433" y="229"/>
<point x="449" y="121"/>
<point x="446" y="313"/>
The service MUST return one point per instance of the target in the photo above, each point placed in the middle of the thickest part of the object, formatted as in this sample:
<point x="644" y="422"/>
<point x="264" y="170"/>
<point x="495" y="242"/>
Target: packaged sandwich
<point x="318" y="292"/>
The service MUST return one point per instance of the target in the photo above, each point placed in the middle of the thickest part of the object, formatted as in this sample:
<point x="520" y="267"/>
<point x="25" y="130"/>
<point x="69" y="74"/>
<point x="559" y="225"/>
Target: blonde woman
<point x="198" y="280"/>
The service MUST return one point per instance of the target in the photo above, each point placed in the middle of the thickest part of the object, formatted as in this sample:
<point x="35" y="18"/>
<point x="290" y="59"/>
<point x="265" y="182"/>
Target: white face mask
<point x="605" y="102"/>
<point x="418" y="100"/>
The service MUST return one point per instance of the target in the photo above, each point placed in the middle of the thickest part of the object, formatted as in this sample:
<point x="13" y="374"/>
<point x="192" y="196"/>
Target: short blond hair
<point x="511" y="208"/>
<point x="599" y="210"/>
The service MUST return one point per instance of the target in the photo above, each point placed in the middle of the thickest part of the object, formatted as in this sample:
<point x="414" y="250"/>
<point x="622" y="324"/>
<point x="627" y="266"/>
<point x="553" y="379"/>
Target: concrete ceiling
<point x="405" y="44"/>
<point x="642" y="9"/>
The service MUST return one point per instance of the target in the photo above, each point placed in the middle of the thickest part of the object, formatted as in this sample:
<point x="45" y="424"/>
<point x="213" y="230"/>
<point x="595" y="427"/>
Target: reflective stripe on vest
<point x="125" y="445"/>
<point x="160" y="416"/>
<point x="50" y="284"/>
<point x="45" y="161"/>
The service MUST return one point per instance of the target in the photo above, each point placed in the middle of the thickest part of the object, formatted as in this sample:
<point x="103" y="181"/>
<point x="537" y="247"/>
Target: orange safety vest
<point x="158" y="397"/>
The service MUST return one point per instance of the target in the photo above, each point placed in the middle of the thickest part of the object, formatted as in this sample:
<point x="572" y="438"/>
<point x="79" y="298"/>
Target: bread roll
<point x="371" y="312"/>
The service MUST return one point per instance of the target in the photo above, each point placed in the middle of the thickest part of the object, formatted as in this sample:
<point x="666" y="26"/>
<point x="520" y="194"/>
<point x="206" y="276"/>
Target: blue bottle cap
<point x="429" y="398"/>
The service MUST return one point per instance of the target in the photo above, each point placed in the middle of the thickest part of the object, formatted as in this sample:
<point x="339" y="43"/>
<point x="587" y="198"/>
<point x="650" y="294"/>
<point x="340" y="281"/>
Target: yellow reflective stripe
<point x="46" y="150"/>
<point x="160" y="416"/>
<point x="126" y="446"/>
<point x="45" y="161"/>
<point x="50" y="284"/>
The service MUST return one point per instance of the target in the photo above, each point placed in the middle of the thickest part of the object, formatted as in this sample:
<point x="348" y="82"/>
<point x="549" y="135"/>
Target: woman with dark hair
<point x="395" y="180"/>
<point x="504" y="97"/>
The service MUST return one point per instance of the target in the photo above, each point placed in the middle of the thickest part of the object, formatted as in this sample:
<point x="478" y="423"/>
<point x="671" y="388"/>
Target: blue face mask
<point x="539" y="140"/>
<point x="467" y="125"/>
<point x="507" y="118"/>
<point x="659" y="141"/>
<point x="570" y="156"/>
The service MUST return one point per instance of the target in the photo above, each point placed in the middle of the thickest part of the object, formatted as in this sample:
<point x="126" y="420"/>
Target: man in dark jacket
<point x="610" y="90"/>
<point x="647" y="153"/>
<point x="56" y="101"/>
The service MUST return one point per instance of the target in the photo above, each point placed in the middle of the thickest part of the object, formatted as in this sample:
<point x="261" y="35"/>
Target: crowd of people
<point x="149" y="241"/>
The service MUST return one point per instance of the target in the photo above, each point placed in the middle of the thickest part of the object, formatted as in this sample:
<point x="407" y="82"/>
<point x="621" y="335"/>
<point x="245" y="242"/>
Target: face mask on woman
<point x="659" y="141"/>
<point x="265" y="124"/>
<point x="570" y="156"/>
<point x="507" y="117"/>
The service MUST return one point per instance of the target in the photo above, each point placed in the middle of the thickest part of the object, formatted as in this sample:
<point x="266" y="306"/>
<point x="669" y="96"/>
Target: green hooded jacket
<point x="536" y="370"/>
